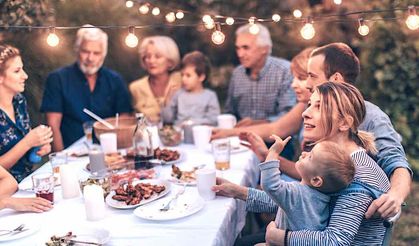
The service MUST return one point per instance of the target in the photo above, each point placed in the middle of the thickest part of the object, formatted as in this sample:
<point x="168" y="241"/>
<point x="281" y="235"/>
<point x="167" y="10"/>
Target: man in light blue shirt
<point x="260" y="88"/>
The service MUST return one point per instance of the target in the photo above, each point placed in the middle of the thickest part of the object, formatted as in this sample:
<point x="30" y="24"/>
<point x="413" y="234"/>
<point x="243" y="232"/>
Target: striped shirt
<point x="267" y="97"/>
<point x="347" y="225"/>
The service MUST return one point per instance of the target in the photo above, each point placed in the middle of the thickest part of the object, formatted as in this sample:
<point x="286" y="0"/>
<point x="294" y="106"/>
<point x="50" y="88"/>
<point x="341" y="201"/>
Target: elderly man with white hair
<point x="260" y="88"/>
<point x="84" y="84"/>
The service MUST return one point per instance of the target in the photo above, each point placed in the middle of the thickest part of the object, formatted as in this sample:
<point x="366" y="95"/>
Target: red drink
<point x="46" y="195"/>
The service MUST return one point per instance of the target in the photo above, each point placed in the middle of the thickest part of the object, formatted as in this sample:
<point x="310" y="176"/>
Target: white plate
<point x="181" y="182"/>
<point x="235" y="148"/>
<point x="181" y="158"/>
<point x="122" y="205"/>
<point x="31" y="225"/>
<point x="183" y="207"/>
<point x="86" y="234"/>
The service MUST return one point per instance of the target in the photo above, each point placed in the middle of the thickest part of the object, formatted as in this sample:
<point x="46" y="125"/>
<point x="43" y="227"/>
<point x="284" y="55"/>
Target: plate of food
<point x="168" y="156"/>
<point x="79" y="236"/>
<point x="183" y="176"/>
<point x="126" y="176"/>
<point x="137" y="193"/>
<point x="184" y="206"/>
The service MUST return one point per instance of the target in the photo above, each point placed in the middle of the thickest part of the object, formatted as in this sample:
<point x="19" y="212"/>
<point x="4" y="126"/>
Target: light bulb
<point x="171" y="17"/>
<point x="180" y="15"/>
<point x="155" y="11"/>
<point x="131" y="40"/>
<point x="276" y="17"/>
<point x="307" y="31"/>
<point x="254" y="29"/>
<point x="337" y="2"/>
<point x="363" y="29"/>
<point x="297" y="13"/>
<point x="229" y="21"/>
<point x="209" y="24"/>
<point x="412" y="22"/>
<point x="52" y="39"/>
<point x="218" y="37"/>
<point x="144" y="9"/>
<point x="129" y="4"/>
<point x="206" y="18"/>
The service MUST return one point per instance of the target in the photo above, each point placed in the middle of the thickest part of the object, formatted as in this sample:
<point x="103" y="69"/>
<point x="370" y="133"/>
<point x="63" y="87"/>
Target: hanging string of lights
<point x="215" y="22"/>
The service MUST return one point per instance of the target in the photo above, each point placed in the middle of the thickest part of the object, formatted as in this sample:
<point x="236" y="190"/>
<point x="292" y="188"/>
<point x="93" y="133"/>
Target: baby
<point x="325" y="170"/>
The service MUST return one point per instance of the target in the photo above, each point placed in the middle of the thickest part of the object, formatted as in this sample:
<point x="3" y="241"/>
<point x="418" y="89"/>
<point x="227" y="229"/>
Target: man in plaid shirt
<point x="260" y="88"/>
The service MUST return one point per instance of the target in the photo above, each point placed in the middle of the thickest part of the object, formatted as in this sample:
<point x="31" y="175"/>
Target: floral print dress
<point x="11" y="133"/>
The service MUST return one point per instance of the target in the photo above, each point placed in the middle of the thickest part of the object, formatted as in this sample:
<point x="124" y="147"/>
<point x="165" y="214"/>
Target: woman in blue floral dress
<point x="16" y="136"/>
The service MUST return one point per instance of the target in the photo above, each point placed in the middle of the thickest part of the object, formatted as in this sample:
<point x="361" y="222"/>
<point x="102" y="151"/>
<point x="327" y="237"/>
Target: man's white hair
<point x="263" y="37"/>
<point x="91" y="33"/>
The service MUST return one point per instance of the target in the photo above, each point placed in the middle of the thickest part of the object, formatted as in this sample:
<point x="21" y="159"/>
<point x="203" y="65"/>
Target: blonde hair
<point x="165" y="45"/>
<point x="7" y="52"/>
<point x="348" y="103"/>
<point x="299" y="63"/>
<point x="263" y="37"/>
<point x="91" y="33"/>
<point x="334" y="165"/>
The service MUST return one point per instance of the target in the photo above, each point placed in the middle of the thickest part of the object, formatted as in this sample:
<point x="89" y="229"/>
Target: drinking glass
<point x="221" y="153"/>
<point x="88" y="130"/>
<point x="43" y="185"/>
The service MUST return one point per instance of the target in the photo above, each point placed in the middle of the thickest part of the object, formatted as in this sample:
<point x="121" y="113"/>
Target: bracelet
<point x="286" y="237"/>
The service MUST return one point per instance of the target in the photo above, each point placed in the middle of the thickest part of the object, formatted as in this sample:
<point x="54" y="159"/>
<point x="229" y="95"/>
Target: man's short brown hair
<point x="199" y="61"/>
<point x="339" y="58"/>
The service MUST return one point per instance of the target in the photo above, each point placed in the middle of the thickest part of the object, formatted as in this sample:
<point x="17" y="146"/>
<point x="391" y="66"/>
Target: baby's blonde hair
<point x="334" y="165"/>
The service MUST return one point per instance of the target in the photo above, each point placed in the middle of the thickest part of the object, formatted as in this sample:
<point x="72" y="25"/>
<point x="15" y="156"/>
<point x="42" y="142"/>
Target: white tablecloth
<point x="218" y="223"/>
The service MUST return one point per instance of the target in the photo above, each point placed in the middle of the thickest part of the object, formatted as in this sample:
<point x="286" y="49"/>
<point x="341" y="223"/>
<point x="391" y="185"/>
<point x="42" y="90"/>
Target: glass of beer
<point x="43" y="185"/>
<point x="221" y="153"/>
<point x="57" y="159"/>
<point x="88" y="130"/>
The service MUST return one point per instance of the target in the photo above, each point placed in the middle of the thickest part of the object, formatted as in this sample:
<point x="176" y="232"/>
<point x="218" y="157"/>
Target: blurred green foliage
<point x="389" y="54"/>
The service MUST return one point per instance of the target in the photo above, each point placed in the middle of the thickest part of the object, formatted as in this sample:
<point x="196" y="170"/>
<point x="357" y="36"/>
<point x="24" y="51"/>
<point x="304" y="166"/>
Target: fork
<point x="16" y="230"/>
<point x="180" y="192"/>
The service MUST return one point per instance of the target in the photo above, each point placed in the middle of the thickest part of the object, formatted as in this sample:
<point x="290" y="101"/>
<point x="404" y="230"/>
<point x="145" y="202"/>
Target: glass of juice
<point x="43" y="185"/>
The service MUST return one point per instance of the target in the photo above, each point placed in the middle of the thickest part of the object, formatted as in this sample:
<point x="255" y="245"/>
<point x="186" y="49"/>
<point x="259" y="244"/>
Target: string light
<point x="144" y="9"/>
<point x="363" y="29"/>
<point x="229" y="21"/>
<point x="307" y="31"/>
<point x="155" y="11"/>
<point x="253" y="28"/>
<point x="170" y="17"/>
<point x="206" y="18"/>
<point x="180" y="15"/>
<point x="276" y="17"/>
<point x="52" y="39"/>
<point x="412" y="20"/>
<point x="129" y="4"/>
<point x="297" y="13"/>
<point x="131" y="40"/>
<point x="217" y="36"/>
<point x="209" y="24"/>
<point x="337" y="2"/>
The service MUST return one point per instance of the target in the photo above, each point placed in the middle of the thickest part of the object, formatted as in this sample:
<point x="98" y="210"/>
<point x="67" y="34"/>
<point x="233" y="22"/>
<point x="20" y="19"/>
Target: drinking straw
<point x="117" y="120"/>
<point x="94" y="116"/>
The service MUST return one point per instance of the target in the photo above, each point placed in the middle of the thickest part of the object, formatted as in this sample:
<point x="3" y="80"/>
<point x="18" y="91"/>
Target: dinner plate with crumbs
<point x="28" y="227"/>
<point x="186" y="205"/>
<point x="140" y="192"/>
<point x="87" y="236"/>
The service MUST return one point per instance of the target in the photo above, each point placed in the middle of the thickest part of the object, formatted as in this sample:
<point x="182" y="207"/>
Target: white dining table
<point x="219" y="222"/>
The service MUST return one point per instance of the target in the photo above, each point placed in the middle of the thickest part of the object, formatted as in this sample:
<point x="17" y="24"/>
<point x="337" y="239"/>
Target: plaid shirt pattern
<point x="268" y="97"/>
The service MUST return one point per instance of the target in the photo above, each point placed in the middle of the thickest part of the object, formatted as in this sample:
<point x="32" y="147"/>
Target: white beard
<point x="89" y="70"/>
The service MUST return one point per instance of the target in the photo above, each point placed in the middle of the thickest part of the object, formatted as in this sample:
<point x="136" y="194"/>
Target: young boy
<point x="193" y="101"/>
<point x="327" y="169"/>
